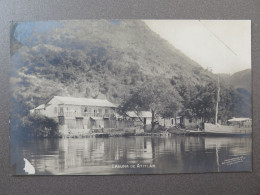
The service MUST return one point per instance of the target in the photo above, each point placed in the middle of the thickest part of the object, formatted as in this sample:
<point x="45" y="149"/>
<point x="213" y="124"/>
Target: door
<point x="79" y="123"/>
<point x="61" y="120"/>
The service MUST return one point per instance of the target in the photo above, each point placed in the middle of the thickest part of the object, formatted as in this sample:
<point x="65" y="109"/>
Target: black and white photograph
<point x="113" y="97"/>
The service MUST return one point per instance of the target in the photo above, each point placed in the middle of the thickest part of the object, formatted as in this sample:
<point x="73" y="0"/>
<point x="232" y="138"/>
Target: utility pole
<point x="216" y="114"/>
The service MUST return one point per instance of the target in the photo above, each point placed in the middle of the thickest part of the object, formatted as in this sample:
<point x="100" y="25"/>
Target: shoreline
<point x="179" y="132"/>
<point x="134" y="132"/>
<point x="114" y="135"/>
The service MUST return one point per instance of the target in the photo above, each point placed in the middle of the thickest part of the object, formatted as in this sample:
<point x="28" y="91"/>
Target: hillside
<point x="239" y="80"/>
<point x="242" y="80"/>
<point x="106" y="59"/>
<point x="95" y="59"/>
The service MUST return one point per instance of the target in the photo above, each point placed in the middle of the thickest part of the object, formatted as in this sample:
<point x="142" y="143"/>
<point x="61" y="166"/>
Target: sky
<point x="223" y="46"/>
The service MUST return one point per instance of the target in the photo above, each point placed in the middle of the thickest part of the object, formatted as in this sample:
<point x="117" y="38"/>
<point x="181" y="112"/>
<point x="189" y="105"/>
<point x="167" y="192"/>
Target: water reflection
<point x="97" y="156"/>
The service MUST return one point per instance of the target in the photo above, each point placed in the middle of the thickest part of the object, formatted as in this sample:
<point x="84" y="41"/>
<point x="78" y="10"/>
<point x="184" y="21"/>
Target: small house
<point x="38" y="110"/>
<point x="241" y="122"/>
<point x="168" y="122"/>
<point x="143" y="116"/>
<point x="190" y="123"/>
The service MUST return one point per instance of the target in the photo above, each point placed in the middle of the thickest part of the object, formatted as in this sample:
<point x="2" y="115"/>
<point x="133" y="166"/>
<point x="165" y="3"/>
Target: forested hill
<point x="98" y="59"/>
<point x="94" y="58"/>
<point x="241" y="82"/>
<point x="241" y="79"/>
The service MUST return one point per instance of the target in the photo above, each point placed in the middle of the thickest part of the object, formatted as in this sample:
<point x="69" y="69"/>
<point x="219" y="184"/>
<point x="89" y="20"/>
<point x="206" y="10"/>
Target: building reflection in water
<point x="177" y="154"/>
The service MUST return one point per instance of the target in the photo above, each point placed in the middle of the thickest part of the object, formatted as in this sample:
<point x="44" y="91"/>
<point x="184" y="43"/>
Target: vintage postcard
<point x="109" y="97"/>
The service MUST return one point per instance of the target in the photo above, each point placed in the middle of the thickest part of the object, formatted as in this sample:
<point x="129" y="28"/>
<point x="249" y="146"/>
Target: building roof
<point x="84" y="101"/>
<point x="42" y="106"/>
<point x="238" y="119"/>
<point x="146" y="114"/>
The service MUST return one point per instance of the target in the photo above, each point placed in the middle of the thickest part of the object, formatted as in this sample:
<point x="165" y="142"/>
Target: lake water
<point x="134" y="155"/>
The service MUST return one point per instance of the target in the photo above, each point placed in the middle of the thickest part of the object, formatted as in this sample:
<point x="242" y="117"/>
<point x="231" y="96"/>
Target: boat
<point x="236" y="126"/>
<point x="241" y="129"/>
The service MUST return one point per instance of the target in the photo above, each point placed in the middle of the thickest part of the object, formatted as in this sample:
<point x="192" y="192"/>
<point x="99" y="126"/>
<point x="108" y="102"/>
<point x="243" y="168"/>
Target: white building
<point x="78" y="114"/>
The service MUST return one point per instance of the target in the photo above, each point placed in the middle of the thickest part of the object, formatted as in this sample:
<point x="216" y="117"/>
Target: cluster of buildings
<point x="83" y="115"/>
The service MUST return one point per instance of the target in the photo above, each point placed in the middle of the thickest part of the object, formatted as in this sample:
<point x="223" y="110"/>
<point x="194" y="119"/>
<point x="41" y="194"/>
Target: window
<point x="55" y="109"/>
<point x="106" y="111"/>
<point x="85" y="109"/>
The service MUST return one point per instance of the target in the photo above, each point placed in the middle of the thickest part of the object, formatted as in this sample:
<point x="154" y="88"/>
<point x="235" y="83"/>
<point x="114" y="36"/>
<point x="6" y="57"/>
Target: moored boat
<point x="237" y="126"/>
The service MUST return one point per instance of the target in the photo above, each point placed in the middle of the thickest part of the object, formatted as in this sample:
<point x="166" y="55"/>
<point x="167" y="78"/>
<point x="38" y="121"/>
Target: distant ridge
<point x="241" y="79"/>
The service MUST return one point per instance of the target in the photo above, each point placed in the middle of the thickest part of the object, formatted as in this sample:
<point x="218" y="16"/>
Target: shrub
<point x="38" y="126"/>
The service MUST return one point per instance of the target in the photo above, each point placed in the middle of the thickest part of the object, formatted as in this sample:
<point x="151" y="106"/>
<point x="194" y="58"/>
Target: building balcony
<point x="85" y="114"/>
<point x="70" y="114"/>
<point x="107" y="116"/>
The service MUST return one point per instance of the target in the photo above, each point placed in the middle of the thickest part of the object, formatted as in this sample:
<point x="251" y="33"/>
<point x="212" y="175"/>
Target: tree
<point x="200" y="102"/>
<point x="203" y="105"/>
<point x="188" y="93"/>
<point x="156" y="95"/>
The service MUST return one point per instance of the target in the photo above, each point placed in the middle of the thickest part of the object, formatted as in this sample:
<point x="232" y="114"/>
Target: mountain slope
<point x="242" y="80"/>
<point x="100" y="58"/>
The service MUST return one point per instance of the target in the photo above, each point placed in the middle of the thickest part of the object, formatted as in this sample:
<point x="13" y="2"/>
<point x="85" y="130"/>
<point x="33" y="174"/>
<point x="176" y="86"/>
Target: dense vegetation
<point x="117" y="60"/>
<point x="35" y="126"/>
<point x="200" y="102"/>
<point x="155" y="95"/>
